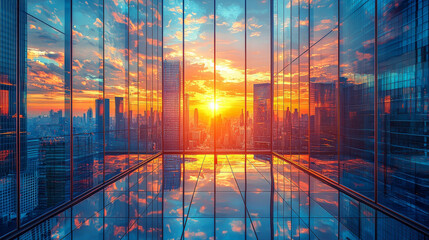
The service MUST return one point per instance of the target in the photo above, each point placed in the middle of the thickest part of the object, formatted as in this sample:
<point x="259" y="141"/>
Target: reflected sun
<point x="213" y="106"/>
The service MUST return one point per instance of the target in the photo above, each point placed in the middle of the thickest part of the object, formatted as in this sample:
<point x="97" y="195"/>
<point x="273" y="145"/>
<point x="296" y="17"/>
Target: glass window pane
<point x="258" y="129"/>
<point x="231" y="115"/>
<point x="323" y="108"/>
<point x="87" y="91"/>
<point x="403" y="100"/>
<point x="8" y="81"/>
<point x="116" y="87"/>
<point x="173" y="70"/>
<point x="45" y="138"/>
<point x="199" y="75"/>
<point x="357" y="97"/>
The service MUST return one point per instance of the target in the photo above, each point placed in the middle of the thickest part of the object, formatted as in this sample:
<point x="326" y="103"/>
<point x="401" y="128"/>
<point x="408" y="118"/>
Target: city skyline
<point x="214" y="119"/>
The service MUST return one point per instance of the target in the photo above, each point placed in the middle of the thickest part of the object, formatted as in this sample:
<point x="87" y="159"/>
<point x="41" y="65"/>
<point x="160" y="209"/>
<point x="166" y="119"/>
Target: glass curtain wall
<point x="82" y="83"/>
<point x="351" y="98"/>
<point x="217" y="84"/>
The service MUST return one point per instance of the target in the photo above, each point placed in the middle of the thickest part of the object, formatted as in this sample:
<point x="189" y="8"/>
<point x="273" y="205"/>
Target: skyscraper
<point x="262" y="115"/>
<point x="89" y="116"/>
<point x="7" y="88"/>
<point x="54" y="172"/>
<point x="100" y="109"/>
<point x="186" y="121"/>
<point x="173" y="127"/>
<point x="196" y="117"/>
<point x="119" y="117"/>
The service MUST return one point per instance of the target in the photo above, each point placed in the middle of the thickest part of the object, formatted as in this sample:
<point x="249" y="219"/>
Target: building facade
<point x="351" y="99"/>
<point x="58" y="62"/>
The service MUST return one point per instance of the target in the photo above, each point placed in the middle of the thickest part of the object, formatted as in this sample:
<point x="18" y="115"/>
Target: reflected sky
<point x="221" y="197"/>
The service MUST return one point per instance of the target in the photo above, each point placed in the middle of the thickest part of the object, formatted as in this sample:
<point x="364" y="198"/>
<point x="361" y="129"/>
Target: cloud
<point x="237" y="27"/>
<point x="98" y="23"/>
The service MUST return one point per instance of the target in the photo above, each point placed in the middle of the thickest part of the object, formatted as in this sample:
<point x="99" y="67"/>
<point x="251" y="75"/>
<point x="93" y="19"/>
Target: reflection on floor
<point x="239" y="197"/>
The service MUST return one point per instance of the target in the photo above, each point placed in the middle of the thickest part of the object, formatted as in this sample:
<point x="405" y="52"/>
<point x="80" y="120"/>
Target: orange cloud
<point x="98" y="23"/>
<point x="237" y="27"/>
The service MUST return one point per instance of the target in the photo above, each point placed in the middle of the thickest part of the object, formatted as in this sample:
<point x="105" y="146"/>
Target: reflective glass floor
<point x="239" y="197"/>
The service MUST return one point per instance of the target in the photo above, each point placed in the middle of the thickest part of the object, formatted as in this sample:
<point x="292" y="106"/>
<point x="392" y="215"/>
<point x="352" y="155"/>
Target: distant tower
<point x="89" y="115"/>
<point x="242" y="118"/>
<point x="196" y="117"/>
<point x="54" y="172"/>
<point x="100" y="109"/>
<point x="186" y="120"/>
<point x="262" y="118"/>
<point x="119" y="117"/>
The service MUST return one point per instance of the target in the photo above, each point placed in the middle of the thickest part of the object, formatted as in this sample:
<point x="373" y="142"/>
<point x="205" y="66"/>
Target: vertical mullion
<point x="138" y="81"/>
<point x="183" y="80"/>
<point x="162" y="81"/>
<point x="214" y="89"/>
<point x="337" y="99"/>
<point x="376" y="101"/>
<point x="104" y="97"/>
<point x="245" y="77"/>
<point x="271" y="72"/>
<point x="128" y="80"/>
<point x="146" y="83"/>
<point x="183" y="196"/>
<point x="18" y="118"/>
<point x="245" y="195"/>
<point x="128" y="112"/>
<point x="71" y="96"/>
<point x="104" y="116"/>
<point x="271" y="199"/>
<point x="71" y="111"/>
<point x="309" y="87"/>
<point x="138" y="114"/>
<point x="338" y="117"/>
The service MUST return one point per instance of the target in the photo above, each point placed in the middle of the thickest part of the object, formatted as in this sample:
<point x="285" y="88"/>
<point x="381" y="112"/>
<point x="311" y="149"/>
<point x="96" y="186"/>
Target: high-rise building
<point x="172" y="172"/>
<point x="8" y="80"/>
<point x="84" y="157"/>
<point x="89" y="116"/>
<point x="54" y="185"/>
<point x="186" y="122"/>
<point x="173" y="126"/>
<point x="196" y="124"/>
<point x="102" y="111"/>
<point x="262" y="115"/>
<point x="119" y="117"/>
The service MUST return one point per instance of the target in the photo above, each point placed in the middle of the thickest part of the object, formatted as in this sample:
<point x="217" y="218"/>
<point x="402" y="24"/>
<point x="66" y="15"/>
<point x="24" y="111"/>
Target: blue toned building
<point x="262" y="115"/>
<point x="173" y="126"/>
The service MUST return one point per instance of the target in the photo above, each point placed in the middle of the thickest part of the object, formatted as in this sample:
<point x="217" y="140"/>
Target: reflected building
<point x="102" y="111"/>
<point x="89" y="116"/>
<point x="173" y="127"/>
<point x="172" y="172"/>
<point x="54" y="172"/>
<point x="8" y="87"/>
<point x="261" y="115"/>
<point x="119" y="118"/>
<point x="186" y="130"/>
<point x="196" y="123"/>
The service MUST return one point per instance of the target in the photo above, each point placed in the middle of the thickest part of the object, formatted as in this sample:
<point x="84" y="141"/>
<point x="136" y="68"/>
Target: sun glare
<point x="214" y="106"/>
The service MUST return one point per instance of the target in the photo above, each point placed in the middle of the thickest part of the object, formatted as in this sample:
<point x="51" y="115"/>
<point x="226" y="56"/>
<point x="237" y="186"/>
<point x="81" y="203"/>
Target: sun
<point x="213" y="106"/>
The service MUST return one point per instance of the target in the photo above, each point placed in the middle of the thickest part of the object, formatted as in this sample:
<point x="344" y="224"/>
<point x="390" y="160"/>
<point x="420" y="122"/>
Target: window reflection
<point x="8" y="114"/>
<point x="81" y="88"/>
<point x="45" y="155"/>
<point x="244" y="196"/>
<point x="341" y="93"/>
